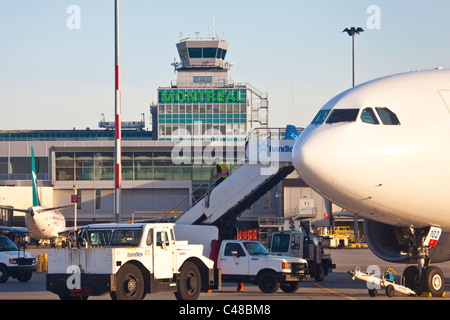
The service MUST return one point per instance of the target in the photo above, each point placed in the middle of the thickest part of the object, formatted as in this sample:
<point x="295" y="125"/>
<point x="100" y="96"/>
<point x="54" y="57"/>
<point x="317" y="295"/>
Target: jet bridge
<point x="268" y="162"/>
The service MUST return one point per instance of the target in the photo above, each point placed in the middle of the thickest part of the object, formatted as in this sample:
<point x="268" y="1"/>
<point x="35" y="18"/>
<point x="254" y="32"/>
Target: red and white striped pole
<point x="118" y="143"/>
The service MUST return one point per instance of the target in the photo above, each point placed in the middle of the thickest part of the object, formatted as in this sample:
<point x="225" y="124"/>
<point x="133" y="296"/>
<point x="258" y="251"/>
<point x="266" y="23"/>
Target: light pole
<point x="352" y="32"/>
<point x="118" y="141"/>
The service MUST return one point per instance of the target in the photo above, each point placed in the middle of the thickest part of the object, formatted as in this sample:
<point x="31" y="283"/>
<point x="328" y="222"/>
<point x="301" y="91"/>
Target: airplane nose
<point x="317" y="157"/>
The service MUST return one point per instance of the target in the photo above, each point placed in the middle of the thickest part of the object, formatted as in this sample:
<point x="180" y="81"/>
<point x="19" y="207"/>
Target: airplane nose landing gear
<point x="424" y="278"/>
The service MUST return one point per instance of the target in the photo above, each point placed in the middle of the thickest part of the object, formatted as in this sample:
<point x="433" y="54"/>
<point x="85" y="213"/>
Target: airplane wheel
<point x="412" y="279"/>
<point x="433" y="281"/>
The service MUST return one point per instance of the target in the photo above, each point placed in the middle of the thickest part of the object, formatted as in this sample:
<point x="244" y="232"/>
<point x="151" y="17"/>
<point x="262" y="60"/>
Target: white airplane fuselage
<point x="398" y="174"/>
<point x="44" y="225"/>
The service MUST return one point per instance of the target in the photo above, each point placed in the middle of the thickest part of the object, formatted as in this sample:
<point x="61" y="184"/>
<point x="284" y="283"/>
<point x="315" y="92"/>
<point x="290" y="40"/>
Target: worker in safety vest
<point x="222" y="173"/>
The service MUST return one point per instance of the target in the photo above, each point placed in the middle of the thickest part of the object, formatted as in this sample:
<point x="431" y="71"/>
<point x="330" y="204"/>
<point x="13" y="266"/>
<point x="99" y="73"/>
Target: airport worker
<point x="221" y="173"/>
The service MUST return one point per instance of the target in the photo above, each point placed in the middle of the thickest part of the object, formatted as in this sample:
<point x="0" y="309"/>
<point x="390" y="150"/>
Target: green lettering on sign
<point x="165" y="98"/>
<point x="202" y="96"/>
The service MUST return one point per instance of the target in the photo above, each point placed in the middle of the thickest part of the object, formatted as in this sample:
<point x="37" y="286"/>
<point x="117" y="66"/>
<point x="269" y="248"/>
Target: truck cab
<point x="295" y="243"/>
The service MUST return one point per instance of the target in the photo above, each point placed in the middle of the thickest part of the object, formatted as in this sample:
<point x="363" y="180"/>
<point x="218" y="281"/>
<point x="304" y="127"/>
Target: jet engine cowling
<point x="390" y="243"/>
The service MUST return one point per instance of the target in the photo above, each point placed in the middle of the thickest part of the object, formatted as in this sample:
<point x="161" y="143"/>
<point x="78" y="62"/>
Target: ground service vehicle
<point x="249" y="261"/>
<point x="128" y="261"/>
<point x="303" y="244"/>
<point x="15" y="263"/>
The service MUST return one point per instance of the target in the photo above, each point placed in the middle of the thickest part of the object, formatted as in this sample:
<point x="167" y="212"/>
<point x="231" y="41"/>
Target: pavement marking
<point x="318" y="285"/>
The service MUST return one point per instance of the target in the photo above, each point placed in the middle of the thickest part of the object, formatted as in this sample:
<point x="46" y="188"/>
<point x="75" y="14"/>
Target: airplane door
<point x="163" y="254"/>
<point x="234" y="260"/>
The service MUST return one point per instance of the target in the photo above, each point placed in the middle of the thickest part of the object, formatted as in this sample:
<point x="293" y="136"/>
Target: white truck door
<point x="233" y="259"/>
<point x="163" y="254"/>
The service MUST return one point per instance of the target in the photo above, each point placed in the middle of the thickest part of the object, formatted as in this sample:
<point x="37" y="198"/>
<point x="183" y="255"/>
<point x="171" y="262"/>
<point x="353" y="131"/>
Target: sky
<point x="57" y="56"/>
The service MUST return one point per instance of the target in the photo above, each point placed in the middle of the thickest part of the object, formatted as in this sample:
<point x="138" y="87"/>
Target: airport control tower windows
<point x="195" y="53"/>
<point x="221" y="53"/>
<point x="205" y="53"/>
<point x="209" y="52"/>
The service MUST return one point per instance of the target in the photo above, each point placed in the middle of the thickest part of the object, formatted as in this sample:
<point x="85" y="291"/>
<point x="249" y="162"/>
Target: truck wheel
<point x="190" y="282"/>
<point x="130" y="283"/>
<point x="320" y="273"/>
<point x="24" y="277"/>
<point x="268" y="282"/>
<point x="290" y="287"/>
<point x="4" y="274"/>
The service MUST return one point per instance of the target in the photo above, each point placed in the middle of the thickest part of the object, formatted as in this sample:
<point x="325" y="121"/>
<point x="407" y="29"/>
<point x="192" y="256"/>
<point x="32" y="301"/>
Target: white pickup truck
<point x="130" y="260"/>
<point x="15" y="263"/>
<point x="249" y="261"/>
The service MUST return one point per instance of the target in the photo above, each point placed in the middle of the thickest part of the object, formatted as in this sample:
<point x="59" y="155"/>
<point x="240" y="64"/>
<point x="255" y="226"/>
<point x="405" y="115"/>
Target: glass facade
<point x="20" y="167"/>
<point x="81" y="166"/>
<point x="202" y="114"/>
<point x="73" y="135"/>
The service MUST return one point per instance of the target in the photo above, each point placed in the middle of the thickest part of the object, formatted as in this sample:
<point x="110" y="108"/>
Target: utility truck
<point x="297" y="241"/>
<point x="130" y="260"/>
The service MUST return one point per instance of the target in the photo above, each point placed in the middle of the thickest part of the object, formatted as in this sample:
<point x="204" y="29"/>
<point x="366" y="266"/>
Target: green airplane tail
<point x="36" y="201"/>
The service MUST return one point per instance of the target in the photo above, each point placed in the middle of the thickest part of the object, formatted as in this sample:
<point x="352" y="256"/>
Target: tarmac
<point x="338" y="285"/>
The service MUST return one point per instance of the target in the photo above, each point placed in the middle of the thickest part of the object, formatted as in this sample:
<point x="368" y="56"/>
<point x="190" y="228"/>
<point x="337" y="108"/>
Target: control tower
<point x="202" y="63"/>
<point x="203" y="103"/>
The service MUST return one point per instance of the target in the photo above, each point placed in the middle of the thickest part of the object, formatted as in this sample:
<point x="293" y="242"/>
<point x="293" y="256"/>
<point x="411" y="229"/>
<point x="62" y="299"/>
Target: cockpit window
<point x="343" y="115"/>
<point x="321" y="116"/>
<point x="387" y="116"/>
<point x="368" y="116"/>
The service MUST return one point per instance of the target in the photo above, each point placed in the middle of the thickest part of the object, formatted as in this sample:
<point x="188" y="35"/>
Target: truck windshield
<point x="280" y="242"/>
<point x="98" y="237"/>
<point x="255" y="248"/>
<point x="113" y="237"/>
<point x="125" y="237"/>
<point x="7" y="245"/>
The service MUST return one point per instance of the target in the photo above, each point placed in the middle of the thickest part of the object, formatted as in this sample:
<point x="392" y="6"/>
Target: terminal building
<point x="203" y="106"/>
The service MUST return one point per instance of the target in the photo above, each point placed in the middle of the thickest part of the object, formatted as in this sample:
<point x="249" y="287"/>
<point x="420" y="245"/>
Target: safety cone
<point x="240" y="287"/>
